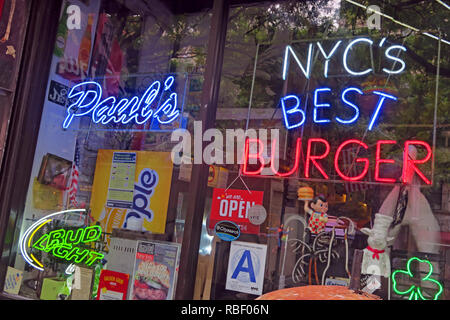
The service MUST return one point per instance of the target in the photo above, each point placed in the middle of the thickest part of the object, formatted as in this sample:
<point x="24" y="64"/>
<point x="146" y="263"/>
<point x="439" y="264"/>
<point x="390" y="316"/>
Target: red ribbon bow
<point x="376" y="253"/>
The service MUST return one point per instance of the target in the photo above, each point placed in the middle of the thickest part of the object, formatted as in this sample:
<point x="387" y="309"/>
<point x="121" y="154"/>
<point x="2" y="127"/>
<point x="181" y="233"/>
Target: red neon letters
<point x="410" y="164"/>
<point x="365" y="160"/>
<point x="312" y="156"/>
<point x="378" y="161"/>
<point x="248" y="155"/>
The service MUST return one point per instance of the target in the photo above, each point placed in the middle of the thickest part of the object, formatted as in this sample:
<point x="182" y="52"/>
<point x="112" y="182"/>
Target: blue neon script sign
<point x="159" y="102"/>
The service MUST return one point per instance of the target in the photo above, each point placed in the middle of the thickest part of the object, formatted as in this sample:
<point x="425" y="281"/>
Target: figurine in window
<point x="317" y="208"/>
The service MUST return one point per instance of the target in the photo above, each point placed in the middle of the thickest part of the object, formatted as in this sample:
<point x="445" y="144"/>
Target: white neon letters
<point x="346" y="58"/>
<point x="327" y="56"/>
<point x="403" y="65"/>
<point x="137" y="110"/>
<point x="306" y="72"/>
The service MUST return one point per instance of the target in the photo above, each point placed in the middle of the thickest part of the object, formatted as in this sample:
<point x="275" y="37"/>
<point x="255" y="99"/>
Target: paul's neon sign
<point x="61" y="243"/>
<point x="159" y="102"/>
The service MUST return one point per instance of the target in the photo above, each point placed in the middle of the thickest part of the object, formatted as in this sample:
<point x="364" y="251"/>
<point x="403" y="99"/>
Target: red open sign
<point x="232" y="205"/>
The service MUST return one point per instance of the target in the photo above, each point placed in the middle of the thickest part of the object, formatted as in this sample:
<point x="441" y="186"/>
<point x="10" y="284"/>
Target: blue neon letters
<point x="345" y="101"/>
<point x="294" y="116"/>
<point x="88" y="100"/>
<point x="383" y="97"/>
<point x="293" y="110"/>
<point x="320" y="105"/>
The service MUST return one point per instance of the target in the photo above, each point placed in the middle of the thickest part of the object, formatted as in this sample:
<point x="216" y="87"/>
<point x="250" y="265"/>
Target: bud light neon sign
<point x="61" y="243"/>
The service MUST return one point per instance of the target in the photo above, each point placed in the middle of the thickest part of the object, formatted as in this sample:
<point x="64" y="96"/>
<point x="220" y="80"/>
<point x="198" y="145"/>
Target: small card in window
<point x="121" y="180"/>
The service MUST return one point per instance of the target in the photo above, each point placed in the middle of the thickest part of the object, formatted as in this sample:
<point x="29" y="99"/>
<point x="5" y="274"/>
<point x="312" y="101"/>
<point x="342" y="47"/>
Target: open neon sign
<point x="87" y="101"/>
<point x="60" y="243"/>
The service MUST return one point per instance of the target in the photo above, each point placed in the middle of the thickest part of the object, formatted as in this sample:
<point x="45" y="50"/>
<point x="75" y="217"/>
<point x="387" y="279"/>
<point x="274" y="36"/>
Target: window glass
<point x="346" y="115"/>
<point x="103" y="191"/>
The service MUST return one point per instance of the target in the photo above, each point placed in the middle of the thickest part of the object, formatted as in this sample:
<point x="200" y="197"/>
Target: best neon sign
<point x="60" y="243"/>
<point x="294" y="116"/>
<point x="87" y="101"/>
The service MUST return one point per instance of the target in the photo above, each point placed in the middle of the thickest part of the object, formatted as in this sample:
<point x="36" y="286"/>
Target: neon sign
<point x="414" y="292"/>
<point x="87" y="101"/>
<point x="314" y="160"/>
<point x="294" y="116"/>
<point x="346" y="57"/>
<point x="60" y="243"/>
<point x="293" y="109"/>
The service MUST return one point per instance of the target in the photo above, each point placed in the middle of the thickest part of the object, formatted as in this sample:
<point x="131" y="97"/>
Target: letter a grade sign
<point x="246" y="266"/>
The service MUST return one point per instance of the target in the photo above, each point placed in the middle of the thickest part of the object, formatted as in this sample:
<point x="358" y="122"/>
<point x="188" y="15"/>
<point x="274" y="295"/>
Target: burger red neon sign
<point x="314" y="160"/>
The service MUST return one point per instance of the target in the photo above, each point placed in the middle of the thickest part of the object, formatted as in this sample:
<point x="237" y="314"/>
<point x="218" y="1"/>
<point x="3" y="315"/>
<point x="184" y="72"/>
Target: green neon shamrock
<point x="415" y="292"/>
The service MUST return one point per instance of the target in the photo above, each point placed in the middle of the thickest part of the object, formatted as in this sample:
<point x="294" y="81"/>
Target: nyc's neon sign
<point x="346" y="58"/>
<point x="88" y="100"/>
<point x="60" y="243"/>
<point x="294" y="116"/>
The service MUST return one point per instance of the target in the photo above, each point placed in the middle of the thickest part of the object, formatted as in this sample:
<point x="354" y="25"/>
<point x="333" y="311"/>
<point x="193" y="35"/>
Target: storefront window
<point x="328" y="156"/>
<point x="96" y="172"/>
<point x="338" y="105"/>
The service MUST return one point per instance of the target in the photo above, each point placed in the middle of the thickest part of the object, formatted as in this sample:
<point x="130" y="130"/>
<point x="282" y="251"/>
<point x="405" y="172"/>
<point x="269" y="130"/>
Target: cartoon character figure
<point x="317" y="209"/>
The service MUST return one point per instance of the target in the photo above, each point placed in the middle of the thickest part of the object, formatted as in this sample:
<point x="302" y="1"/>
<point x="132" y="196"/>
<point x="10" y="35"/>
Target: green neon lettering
<point x="41" y="243"/>
<point x="94" y="256"/>
<point x="62" y="251"/>
<point x="415" y="292"/>
<point x="56" y="238"/>
<point x="92" y="233"/>
<point x="61" y="244"/>
<point x="74" y="240"/>
<point x="78" y="254"/>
